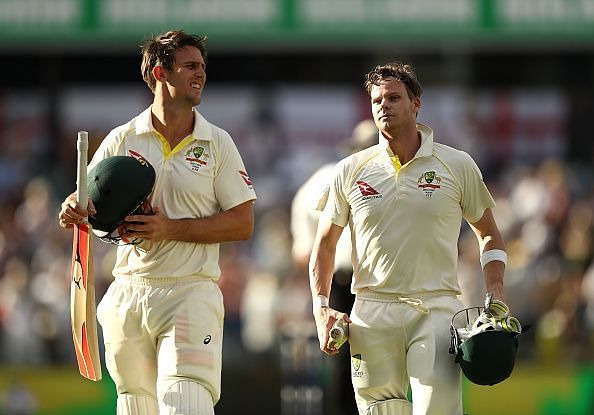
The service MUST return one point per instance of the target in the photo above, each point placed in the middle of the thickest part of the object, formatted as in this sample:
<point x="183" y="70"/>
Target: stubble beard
<point x="193" y="99"/>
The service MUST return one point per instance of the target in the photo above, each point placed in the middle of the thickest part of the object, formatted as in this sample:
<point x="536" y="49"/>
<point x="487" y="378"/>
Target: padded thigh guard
<point x="137" y="405"/>
<point x="390" y="407"/>
<point x="186" y="397"/>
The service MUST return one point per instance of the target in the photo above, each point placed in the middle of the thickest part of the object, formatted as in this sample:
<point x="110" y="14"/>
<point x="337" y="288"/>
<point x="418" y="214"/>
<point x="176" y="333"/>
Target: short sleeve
<point x="232" y="183"/>
<point x="475" y="195"/>
<point x="338" y="209"/>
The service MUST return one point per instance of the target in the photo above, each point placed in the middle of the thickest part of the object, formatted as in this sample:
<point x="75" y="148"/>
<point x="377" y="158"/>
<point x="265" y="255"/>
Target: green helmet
<point x="119" y="186"/>
<point x="485" y="347"/>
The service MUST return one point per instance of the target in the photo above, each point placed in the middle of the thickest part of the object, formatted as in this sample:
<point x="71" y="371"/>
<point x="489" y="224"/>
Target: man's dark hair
<point x="403" y="72"/>
<point x="160" y="51"/>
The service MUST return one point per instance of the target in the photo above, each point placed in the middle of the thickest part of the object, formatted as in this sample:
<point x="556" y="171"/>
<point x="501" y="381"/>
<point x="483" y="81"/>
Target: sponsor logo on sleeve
<point x="246" y="178"/>
<point x="367" y="191"/>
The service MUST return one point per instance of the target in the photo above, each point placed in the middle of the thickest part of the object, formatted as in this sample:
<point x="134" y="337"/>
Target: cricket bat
<point x="83" y="313"/>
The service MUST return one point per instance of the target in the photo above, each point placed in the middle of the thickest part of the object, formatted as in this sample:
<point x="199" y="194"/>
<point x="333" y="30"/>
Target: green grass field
<point x="532" y="390"/>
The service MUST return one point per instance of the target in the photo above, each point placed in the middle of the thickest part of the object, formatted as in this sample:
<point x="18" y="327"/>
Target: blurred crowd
<point x="545" y="210"/>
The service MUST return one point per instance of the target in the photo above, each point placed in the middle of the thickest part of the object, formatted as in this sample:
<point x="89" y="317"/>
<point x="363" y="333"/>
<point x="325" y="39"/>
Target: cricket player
<point x="162" y="316"/>
<point x="403" y="200"/>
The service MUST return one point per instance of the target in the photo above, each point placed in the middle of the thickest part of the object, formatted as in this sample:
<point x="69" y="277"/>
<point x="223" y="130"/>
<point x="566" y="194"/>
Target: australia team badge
<point x="429" y="182"/>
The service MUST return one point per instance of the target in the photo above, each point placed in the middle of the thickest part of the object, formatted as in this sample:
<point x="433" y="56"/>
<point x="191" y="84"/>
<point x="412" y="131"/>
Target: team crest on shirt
<point x="356" y="365"/>
<point x="429" y="182"/>
<point x="196" y="157"/>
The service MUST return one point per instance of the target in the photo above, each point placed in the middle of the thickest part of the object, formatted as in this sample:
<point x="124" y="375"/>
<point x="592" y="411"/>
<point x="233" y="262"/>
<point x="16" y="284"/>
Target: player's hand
<point x="325" y="318"/>
<point x="72" y="213"/>
<point x="499" y="295"/>
<point x="148" y="227"/>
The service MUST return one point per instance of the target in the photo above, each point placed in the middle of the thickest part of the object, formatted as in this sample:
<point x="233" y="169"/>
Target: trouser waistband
<point x="163" y="281"/>
<point x="412" y="299"/>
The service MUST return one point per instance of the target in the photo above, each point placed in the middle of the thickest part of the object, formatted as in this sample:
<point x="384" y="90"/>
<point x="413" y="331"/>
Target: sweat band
<point x="320" y="301"/>
<point x="493" y="255"/>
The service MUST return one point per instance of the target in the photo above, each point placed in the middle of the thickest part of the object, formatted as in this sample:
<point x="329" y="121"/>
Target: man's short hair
<point x="398" y="70"/>
<point x="160" y="51"/>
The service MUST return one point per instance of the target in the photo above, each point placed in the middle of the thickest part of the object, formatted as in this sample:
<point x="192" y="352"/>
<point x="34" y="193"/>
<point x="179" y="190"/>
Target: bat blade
<point x="83" y="313"/>
<point x="82" y="304"/>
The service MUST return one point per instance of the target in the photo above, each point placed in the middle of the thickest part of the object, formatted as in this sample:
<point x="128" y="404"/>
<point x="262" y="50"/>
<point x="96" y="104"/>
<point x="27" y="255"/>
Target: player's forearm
<point x="494" y="272"/>
<point x="321" y="267"/>
<point x="236" y="224"/>
<point x="491" y="241"/>
<point x="493" y="256"/>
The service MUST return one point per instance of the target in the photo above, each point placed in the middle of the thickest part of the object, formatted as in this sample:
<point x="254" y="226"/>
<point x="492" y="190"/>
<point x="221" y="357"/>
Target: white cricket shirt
<point x="203" y="175"/>
<point x="405" y="224"/>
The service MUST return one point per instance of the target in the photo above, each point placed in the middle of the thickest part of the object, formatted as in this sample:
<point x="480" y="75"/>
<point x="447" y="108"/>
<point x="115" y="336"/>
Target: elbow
<point x="242" y="218"/>
<point x="244" y="236"/>
<point x="246" y="231"/>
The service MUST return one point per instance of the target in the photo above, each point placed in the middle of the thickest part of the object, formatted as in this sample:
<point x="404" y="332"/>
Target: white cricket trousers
<point x="397" y="342"/>
<point x="159" y="333"/>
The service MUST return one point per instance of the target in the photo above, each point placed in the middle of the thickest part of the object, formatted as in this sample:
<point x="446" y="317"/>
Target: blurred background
<point x="509" y="81"/>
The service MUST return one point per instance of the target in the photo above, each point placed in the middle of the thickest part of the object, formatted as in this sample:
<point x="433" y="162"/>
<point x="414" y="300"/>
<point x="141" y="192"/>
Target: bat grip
<point x="82" y="146"/>
<point x="338" y="334"/>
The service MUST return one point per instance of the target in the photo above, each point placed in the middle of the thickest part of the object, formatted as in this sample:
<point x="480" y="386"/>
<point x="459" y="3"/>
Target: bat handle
<point x="82" y="147"/>
<point x="339" y="334"/>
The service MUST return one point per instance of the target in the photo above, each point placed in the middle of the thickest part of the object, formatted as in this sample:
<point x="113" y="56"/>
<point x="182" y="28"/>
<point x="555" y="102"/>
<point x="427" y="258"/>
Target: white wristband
<point x="320" y="301"/>
<point x="493" y="255"/>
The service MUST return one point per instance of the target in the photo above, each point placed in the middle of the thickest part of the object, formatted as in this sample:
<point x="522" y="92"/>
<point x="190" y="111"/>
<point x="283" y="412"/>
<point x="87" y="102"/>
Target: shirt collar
<point x="426" y="148"/>
<point x="201" y="130"/>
